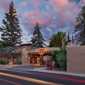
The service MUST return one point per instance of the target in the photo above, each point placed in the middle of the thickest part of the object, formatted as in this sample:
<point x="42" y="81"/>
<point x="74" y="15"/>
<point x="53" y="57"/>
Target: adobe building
<point x="24" y="48"/>
<point x="30" y="55"/>
<point x="41" y="55"/>
<point x="36" y="56"/>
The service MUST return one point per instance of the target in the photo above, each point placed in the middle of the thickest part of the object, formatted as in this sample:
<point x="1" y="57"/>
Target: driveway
<point x="28" y="67"/>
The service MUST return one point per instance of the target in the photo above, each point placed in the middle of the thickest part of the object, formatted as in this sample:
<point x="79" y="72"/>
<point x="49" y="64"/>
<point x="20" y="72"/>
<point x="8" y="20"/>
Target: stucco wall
<point x="2" y="57"/>
<point x="27" y="48"/>
<point x="76" y="59"/>
<point x="19" y="57"/>
<point x="24" y="56"/>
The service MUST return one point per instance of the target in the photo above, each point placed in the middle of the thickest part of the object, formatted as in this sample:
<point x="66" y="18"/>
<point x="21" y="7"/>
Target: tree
<point x="9" y="51"/>
<point x="11" y="32"/>
<point x="59" y="56"/>
<point x="56" y="39"/>
<point x="54" y="57"/>
<point x="80" y="27"/>
<point x="62" y="58"/>
<point x="37" y="40"/>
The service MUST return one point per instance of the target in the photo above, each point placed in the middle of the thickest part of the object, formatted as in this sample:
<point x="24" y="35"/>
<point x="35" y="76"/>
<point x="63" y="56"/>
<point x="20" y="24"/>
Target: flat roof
<point x="45" y="50"/>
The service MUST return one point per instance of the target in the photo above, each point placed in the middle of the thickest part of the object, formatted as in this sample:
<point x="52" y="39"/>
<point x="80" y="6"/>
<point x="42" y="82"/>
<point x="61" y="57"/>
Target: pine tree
<point x="11" y="32"/>
<point x="80" y="27"/>
<point x="37" y="40"/>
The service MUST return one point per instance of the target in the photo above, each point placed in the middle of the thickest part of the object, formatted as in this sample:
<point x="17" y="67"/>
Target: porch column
<point x="11" y="63"/>
<point x="41" y="59"/>
<point x="11" y="58"/>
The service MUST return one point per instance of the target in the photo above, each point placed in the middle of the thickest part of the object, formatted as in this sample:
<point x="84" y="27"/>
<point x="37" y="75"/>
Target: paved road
<point x="28" y="67"/>
<point x="13" y="77"/>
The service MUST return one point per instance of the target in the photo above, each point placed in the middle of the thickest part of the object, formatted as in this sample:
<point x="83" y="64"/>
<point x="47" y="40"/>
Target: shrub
<point x="56" y="64"/>
<point x="59" y="57"/>
<point x="62" y="59"/>
<point x="7" y="62"/>
<point x="54" y="57"/>
<point x="4" y="62"/>
<point x="1" y="62"/>
<point x="19" y="62"/>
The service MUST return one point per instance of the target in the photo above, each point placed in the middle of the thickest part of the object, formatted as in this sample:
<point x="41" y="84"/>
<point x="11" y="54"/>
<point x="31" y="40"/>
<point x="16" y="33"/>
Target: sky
<point x="52" y="15"/>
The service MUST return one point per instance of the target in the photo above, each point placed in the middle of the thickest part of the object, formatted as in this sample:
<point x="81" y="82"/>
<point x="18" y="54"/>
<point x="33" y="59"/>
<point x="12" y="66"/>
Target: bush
<point x="1" y="62"/>
<point x="54" y="58"/>
<point x="4" y="62"/>
<point x="7" y="62"/>
<point x="19" y="62"/>
<point x="62" y="59"/>
<point x="56" y="64"/>
<point x="59" y="57"/>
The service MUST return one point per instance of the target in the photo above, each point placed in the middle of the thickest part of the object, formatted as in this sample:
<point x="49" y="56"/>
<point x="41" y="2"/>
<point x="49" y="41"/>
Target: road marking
<point x="10" y="82"/>
<point x="37" y="68"/>
<point x="36" y="64"/>
<point x="15" y="71"/>
<point x="30" y="79"/>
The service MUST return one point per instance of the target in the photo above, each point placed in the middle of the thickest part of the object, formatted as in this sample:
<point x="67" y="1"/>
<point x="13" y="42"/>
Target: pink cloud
<point x="65" y="9"/>
<point x="43" y="11"/>
<point x="23" y="4"/>
<point x="43" y="19"/>
<point x="36" y="3"/>
<point x="4" y="4"/>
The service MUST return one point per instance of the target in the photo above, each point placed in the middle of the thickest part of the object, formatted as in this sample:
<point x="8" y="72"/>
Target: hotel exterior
<point x="41" y="55"/>
<point x="30" y="55"/>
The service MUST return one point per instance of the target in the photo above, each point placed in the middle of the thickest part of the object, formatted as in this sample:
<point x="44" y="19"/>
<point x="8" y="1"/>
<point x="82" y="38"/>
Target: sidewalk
<point x="43" y="70"/>
<point x="16" y="65"/>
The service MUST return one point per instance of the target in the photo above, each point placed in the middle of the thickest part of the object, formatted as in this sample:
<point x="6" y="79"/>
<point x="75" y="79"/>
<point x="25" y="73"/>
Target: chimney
<point x="69" y="44"/>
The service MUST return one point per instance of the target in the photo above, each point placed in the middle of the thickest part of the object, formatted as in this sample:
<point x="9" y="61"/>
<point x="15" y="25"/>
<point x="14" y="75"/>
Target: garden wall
<point x="76" y="59"/>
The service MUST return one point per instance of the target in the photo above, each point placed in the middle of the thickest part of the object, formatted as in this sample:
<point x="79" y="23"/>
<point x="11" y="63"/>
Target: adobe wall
<point x="24" y="56"/>
<point x="19" y="57"/>
<point x="76" y="59"/>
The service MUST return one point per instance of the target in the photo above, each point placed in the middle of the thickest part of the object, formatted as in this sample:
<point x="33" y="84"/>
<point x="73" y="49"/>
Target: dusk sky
<point x="52" y="15"/>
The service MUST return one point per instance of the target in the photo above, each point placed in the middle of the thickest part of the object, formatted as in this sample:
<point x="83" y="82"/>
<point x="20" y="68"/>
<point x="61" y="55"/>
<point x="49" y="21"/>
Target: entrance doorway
<point x="34" y="60"/>
<point x="14" y="60"/>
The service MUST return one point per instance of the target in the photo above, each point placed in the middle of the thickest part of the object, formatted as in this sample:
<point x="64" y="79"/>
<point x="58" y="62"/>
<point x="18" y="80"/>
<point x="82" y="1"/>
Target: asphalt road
<point x="27" y="67"/>
<point x="13" y="77"/>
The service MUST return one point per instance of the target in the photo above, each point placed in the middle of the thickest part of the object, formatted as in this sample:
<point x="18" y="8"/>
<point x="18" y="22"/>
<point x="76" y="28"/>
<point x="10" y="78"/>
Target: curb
<point x="10" y="66"/>
<point x="61" y="73"/>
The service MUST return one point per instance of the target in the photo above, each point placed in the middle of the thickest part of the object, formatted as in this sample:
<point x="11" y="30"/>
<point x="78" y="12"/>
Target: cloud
<point x="23" y="4"/>
<point x="56" y="15"/>
<point x="4" y="4"/>
<point x="36" y="3"/>
<point x="18" y="14"/>
<point x="61" y="7"/>
<point x="81" y="3"/>
<point x="44" y="19"/>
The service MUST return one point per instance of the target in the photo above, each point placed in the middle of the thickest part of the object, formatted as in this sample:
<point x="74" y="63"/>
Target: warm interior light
<point x="41" y="51"/>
